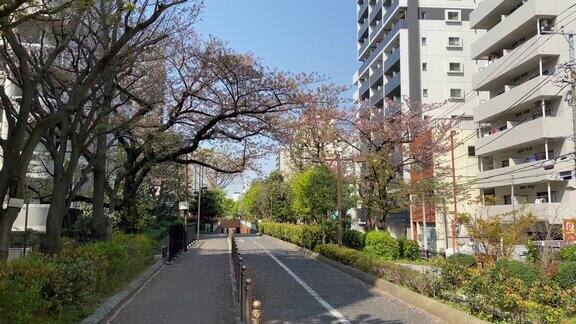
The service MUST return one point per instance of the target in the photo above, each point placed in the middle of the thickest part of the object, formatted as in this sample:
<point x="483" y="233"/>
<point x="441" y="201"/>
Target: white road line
<point x="311" y="291"/>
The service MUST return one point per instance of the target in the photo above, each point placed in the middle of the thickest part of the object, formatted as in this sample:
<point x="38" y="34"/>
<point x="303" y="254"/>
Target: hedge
<point x="309" y="236"/>
<point x="39" y="288"/>
<point x="367" y="262"/>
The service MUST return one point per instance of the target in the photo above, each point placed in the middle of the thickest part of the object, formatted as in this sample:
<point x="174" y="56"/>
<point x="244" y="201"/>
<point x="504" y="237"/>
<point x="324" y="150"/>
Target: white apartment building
<point x="523" y="119"/>
<point x="420" y="49"/>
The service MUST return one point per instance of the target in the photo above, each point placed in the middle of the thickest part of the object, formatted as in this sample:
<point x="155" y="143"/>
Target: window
<point x="453" y="16"/>
<point x="423" y="15"/>
<point x="424" y="66"/>
<point x="456" y="94"/>
<point x="423" y="41"/>
<point x="454" y="41"/>
<point x="471" y="151"/>
<point x="425" y="93"/>
<point x="454" y="67"/>
<point x="505" y="163"/>
<point x="507" y="199"/>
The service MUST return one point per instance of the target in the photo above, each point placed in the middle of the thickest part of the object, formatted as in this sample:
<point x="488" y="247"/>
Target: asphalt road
<point x="197" y="288"/>
<point x="295" y="288"/>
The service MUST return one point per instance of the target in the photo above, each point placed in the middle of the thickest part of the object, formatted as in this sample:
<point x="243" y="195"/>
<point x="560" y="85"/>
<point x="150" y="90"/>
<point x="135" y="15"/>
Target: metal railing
<point x="250" y="308"/>
<point x="179" y="238"/>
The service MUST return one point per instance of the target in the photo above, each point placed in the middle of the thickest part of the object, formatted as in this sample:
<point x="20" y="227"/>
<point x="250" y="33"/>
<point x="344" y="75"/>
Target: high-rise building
<point x="525" y="123"/>
<point x="418" y="50"/>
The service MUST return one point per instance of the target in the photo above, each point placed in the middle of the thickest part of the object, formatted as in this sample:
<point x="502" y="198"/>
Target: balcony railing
<point x="363" y="29"/>
<point x="377" y="75"/>
<point x="392" y="84"/>
<point x="364" y="88"/>
<point x="375" y="10"/>
<point x="383" y="44"/>
<point x="377" y="96"/>
<point x="391" y="60"/>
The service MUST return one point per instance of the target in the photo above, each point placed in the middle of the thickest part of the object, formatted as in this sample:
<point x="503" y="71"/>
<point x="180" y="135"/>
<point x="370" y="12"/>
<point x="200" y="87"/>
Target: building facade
<point x="419" y="50"/>
<point x="522" y="115"/>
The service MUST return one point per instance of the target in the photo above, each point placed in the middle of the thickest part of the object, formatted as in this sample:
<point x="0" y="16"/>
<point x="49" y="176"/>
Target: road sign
<point x="570" y="229"/>
<point x="183" y="205"/>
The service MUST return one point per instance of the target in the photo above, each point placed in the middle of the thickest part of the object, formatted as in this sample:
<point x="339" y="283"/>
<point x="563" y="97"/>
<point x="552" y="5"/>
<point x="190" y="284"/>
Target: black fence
<point x="250" y="308"/>
<point x="180" y="236"/>
<point x="429" y="254"/>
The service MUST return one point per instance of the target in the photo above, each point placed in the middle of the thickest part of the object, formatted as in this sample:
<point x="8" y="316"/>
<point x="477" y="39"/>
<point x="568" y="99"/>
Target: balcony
<point x="391" y="60"/>
<point x="377" y="75"/>
<point x="524" y="173"/>
<point x="392" y="84"/>
<point x="363" y="10"/>
<point x="519" y="97"/>
<point x="520" y="22"/>
<point x="364" y="87"/>
<point x="377" y="96"/>
<point x="533" y="131"/>
<point x="377" y="8"/>
<point x="386" y="21"/>
<point x="394" y="32"/>
<point x="552" y="212"/>
<point x="489" y="12"/>
<point x="521" y="59"/>
<point x="363" y="31"/>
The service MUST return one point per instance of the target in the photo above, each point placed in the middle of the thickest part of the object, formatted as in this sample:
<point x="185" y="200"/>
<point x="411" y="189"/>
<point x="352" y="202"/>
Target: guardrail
<point x="250" y="308"/>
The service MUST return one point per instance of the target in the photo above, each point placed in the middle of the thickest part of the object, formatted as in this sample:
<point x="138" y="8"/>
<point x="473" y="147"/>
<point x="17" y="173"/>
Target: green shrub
<point x="398" y="274"/>
<point x="463" y="259"/>
<point x="307" y="236"/>
<point x="382" y="244"/>
<point x="566" y="275"/>
<point x="408" y="249"/>
<point x="568" y="253"/>
<point x="528" y="272"/>
<point x="353" y="239"/>
<point x="38" y="288"/>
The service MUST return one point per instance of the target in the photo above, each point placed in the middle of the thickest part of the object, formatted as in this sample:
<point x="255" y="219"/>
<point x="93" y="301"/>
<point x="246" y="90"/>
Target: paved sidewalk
<point x="197" y="288"/>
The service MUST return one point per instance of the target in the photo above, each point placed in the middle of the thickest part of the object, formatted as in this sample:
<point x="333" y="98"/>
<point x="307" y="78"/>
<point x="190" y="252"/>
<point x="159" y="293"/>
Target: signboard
<point x="570" y="230"/>
<point x="183" y="205"/>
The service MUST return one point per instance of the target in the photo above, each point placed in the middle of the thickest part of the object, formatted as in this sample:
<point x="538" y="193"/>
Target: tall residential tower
<point x="419" y="50"/>
<point x="525" y="119"/>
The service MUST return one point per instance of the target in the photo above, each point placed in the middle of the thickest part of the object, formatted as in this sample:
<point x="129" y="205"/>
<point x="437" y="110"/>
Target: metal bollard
<point x="247" y="300"/>
<point x="241" y="284"/>
<point x="256" y="312"/>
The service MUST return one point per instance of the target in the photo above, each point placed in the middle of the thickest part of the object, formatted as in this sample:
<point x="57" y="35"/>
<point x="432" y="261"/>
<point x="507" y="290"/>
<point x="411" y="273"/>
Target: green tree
<point x="314" y="194"/>
<point x="248" y="203"/>
<point x="274" y="199"/>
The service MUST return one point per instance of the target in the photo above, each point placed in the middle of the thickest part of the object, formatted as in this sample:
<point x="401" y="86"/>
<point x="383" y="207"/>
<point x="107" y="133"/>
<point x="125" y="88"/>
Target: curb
<point x="107" y="309"/>
<point x="433" y="307"/>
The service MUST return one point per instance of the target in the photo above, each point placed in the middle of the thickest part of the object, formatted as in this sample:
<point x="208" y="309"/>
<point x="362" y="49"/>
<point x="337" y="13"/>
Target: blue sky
<point x="292" y="35"/>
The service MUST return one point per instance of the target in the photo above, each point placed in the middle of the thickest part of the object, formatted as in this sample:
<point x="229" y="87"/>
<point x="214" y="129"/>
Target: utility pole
<point x="455" y="194"/>
<point x="200" y="182"/>
<point x="339" y="196"/>
<point x="424" y="233"/>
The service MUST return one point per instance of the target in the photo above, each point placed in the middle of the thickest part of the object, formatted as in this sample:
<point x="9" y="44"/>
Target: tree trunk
<point x="129" y="213"/>
<point x="100" y="221"/>
<point x="53" y="241"/>
<point x="7" y="218"/>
